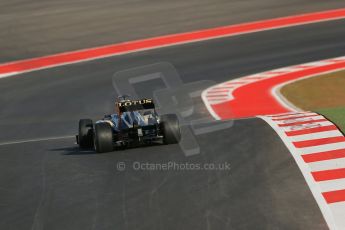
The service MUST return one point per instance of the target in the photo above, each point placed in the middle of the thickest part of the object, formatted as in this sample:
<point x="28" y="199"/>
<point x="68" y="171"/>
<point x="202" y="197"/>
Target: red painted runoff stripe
<point x="311" y="130"/>
<point x="243" y="105"/>
<point x="326" y="179"/>
<point x="168" y="40"/>
<point x="332" y="174"/>
<point x="302" y="122"/>
<point x="294" y="117"/>
<point x="323" y="156"/>
<point x="316" y="142"/>
<point x="288" y="114"/>
<point x="334" y="196"/>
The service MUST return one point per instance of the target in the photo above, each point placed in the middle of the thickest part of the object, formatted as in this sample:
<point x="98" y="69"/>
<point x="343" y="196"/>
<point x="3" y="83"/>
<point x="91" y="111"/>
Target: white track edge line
<point x="276" y="91"/>
<point x="155" y="47"/>
<point x="314" y="188"/>
<point x="34" y="140"/>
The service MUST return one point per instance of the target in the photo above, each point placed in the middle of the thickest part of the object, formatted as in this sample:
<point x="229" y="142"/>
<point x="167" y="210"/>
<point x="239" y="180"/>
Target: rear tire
<point x="103" y="140"/>
<point x="85" y="134"/>
<point x="170" y="129"/>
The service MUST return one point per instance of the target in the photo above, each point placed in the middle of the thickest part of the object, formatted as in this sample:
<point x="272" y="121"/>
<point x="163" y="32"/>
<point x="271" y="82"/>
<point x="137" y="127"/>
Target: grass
<point x="324" y="94"/>
<point x="336" y="115"/>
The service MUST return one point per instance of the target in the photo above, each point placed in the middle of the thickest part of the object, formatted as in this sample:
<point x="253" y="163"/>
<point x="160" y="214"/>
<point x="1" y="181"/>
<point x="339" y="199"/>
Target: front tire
<point x="85" y="134"/>
<point x="103" y="140"/>
<point x="170" y="128"/>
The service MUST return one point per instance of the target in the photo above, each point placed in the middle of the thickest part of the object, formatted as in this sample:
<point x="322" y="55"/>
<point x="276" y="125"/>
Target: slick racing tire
<point x="85" y="135"/>
<point x="103" y="139"/>
<point x="170" y="129"/>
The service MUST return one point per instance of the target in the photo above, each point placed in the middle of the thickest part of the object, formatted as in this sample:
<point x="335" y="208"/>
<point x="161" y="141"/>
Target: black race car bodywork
<point x="134" y="123"/>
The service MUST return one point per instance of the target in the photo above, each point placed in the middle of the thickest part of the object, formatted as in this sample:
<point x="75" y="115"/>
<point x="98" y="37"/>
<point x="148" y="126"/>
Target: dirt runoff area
<point x="324" y="94"/>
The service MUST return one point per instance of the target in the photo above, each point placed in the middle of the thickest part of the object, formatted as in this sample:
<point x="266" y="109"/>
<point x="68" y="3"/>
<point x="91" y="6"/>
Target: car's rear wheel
<point x="103" y="140"/>
<point x="170" y="128"/>
<point x="85" y="134"/>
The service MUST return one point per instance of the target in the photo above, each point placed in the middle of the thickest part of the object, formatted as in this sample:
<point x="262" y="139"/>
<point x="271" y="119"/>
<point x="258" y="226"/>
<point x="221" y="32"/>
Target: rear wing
<point x="133" y="105"/>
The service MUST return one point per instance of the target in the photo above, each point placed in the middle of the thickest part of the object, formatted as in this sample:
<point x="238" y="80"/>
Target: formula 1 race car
<point x="134" y="123"/>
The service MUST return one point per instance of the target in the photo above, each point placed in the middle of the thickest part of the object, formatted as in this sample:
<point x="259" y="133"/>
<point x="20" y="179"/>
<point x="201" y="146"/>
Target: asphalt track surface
<point x="35" y="28"/>
<point x="52" y="185"/>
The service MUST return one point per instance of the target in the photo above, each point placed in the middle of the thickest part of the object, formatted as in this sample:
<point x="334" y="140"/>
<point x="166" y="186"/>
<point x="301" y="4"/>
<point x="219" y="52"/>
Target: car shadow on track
<point x="74" y="151"/>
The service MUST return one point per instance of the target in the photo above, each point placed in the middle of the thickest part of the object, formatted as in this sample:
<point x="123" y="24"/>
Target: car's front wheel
<point x="103" y="138"/>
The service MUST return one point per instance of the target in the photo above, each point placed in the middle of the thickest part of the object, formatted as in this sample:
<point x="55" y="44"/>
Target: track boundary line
<point x="316" y="144"/>
<point x="34" y="140"/>
<point x="236" y="98"/>
<point x="73" y="57"/>
<point x="320" y="162"/>
<point x="276" y="90"/>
